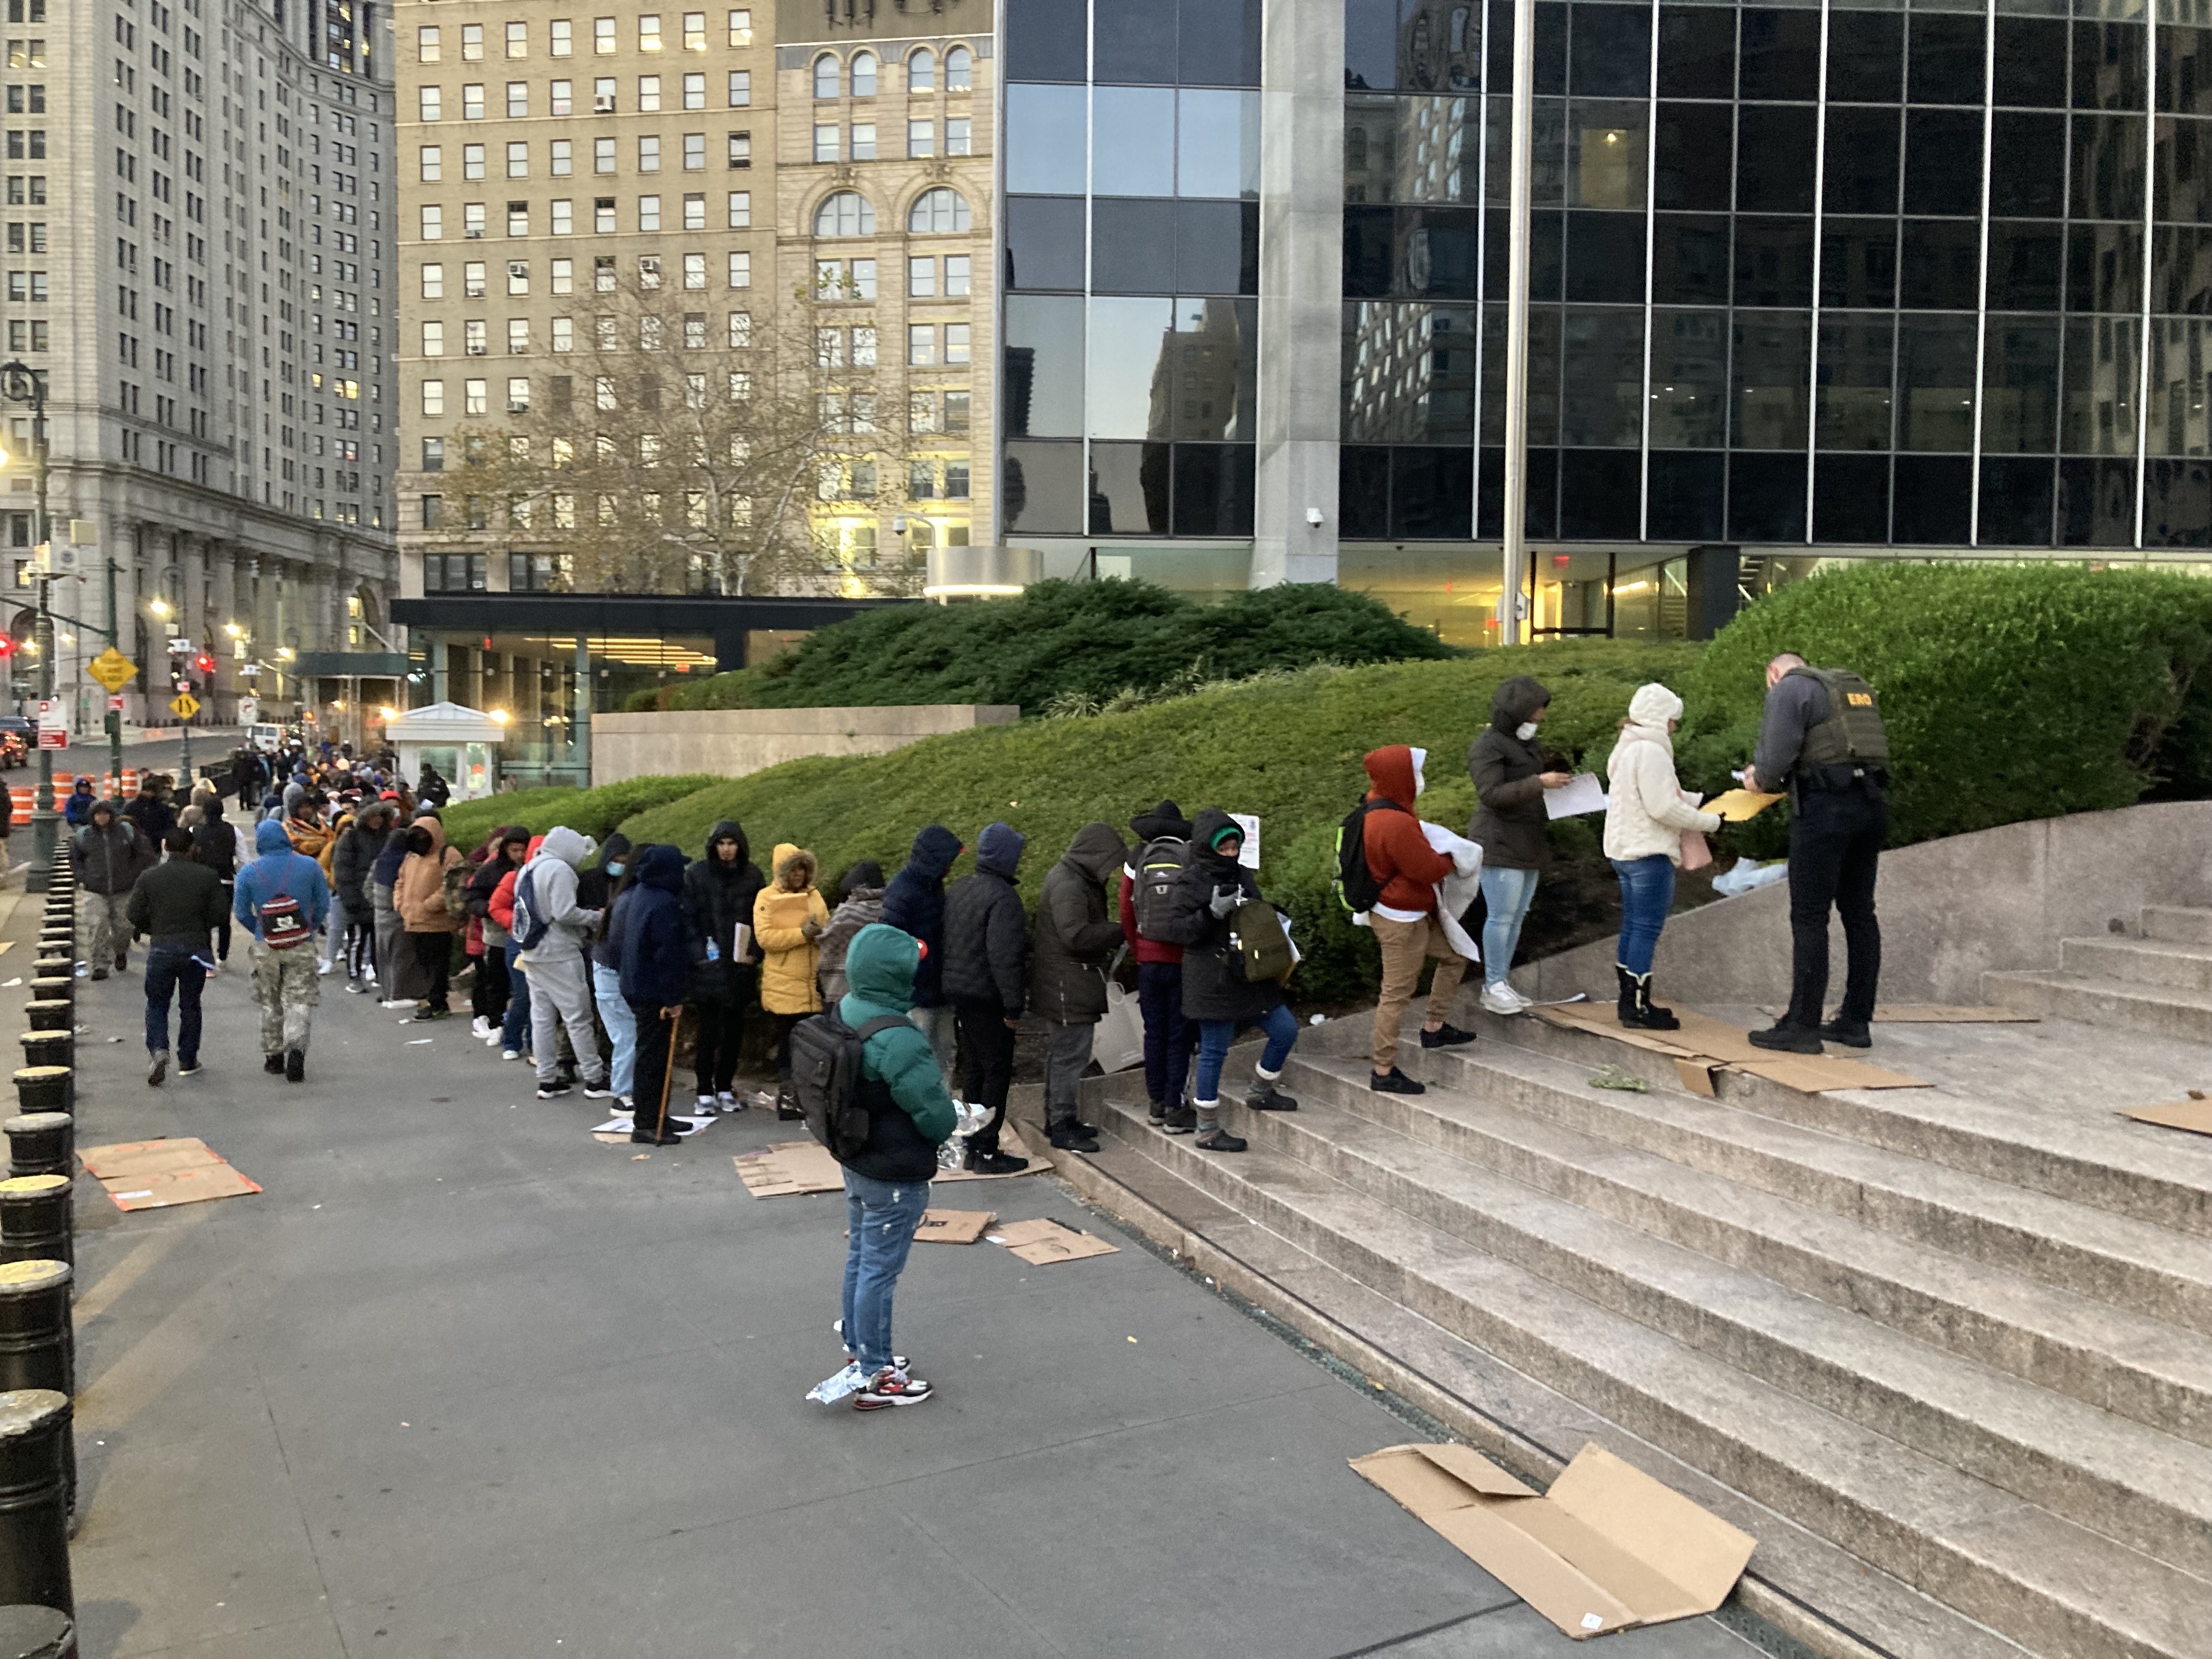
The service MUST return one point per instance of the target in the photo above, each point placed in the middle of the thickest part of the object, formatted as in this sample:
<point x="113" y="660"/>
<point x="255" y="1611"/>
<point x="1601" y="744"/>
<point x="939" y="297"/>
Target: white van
<point x="266" y="739"/>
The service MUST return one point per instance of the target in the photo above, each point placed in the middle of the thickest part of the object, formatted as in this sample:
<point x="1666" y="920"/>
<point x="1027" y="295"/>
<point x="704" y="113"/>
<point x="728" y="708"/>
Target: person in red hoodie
<point x="1406" y="869"/>
<point x="1163" y="848"/>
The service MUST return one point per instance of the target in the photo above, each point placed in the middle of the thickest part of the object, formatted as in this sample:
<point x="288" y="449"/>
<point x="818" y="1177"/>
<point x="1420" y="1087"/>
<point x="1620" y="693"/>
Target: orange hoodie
<point x="1399" y="855"/>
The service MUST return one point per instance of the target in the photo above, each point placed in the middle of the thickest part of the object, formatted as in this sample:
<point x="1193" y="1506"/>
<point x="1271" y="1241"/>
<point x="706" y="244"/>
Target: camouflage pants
<point x="286" y="987"/>
<point x="104" y="927"/>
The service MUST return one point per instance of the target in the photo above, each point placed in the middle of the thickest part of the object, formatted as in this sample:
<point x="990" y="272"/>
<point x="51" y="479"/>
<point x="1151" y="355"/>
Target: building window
<point x="517" y="218"/>
<point x="741" y="209"/>
<point x="426" y="45"/>
<point x="603" y="215"/>
<point x="921" y="138"/>
<point x="472" y="337"/>
<point x="958" y="63"/>
<point x="560" y="97"/>
<point x="649" y="153"/>
<point x="922" y="278"/>
<point x="937" y="212"/>
<point x="649" y="213"/>
<point x="921" y="72"/>
<point x="564" y="223"/>
<point x="956" y="481"/>
<point x="517" y="39"/>
<point x="473" y="280"/>
<point x="741" y="331"/>
<point x="956" y="411"/>
<point x="433" y="513"/>
<point x="741" y="27"/>
<point x="433" y="163"/>
<point x="518" y="100"/>
<point x="434" y="457"/>
<point x="826" y="77"/>
<point x="475" y="398"/>
<point x="955" y="276"/>
<point x="473" y="43"/>
<point x="518" y="337"/>
<point x="741" y="270"/>
<point x="648" y="32"/>
<point x="518" y="276"/>
<point x="846" y="213"/>
<point x="741" y="88"/>
<point x="473" y="221"/>
<point x="695" y="152"/>
<point x="603" y="37"/>
<point x="602" y="156"/>
<point x="825" y="141"/>
<point x="564" y="276"/>
<point x="472" y="102"/>
<point x="863" y="142"/>
<point x="472" y="160"/>
<point x="561" y="158"/>
<point x="434" y="397"/>
<point x="603" y="273"/>
<point x="563" y="41"/>
<point x="920" y="481"/>
<point x="603" y="95"/>
<point x="741" y="150"/>
<point x="428" y="102"/>
<point x="434" y="222"/>
<point x="956" y="141"/>
<point x="695" y="270"/>
<point x="955" y="342"/>
<point x="694" y="30"/>
<point x="518" y="392"/>
<point x="434" y="339"/>
<point x="433" y="282"/>
<point x="649" y="280"/>
<point x="648" y="93"/>
<point x="564" y="334"/>
<point x="863" y="75"/>
<point x="694" y="92"/>
<point x="921" y="344"/>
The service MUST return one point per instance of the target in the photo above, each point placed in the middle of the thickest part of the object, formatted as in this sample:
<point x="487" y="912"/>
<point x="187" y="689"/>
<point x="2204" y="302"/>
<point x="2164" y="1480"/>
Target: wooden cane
<point x="668" y="1075"/>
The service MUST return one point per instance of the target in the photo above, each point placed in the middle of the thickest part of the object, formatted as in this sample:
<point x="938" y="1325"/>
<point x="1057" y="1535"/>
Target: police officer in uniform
<point x="1821" y="736"/>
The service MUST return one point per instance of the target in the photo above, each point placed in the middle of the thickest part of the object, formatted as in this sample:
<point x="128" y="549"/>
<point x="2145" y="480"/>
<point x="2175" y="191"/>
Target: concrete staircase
<point x="1966" y="1414"/>
<point x="2159" y="980"/>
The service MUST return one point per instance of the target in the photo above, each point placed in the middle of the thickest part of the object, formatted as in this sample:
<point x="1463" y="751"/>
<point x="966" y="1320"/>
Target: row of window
<point x="928" y="413"/>
<point x="854" y="279"/>
<point x="860" y="140"/>
<point x="938" y="211"/>
<point x="691" y="216"/>
<point x="833" y="79"/>
<point x="927" y="344"/>
<point x="561" y="156"/>
<point x="560" y="97"/>
<point x="561" y="277"/>
<point x="561" y="36"/>
<point x="1132" y="141"/>
<point x="1132" y="488"/>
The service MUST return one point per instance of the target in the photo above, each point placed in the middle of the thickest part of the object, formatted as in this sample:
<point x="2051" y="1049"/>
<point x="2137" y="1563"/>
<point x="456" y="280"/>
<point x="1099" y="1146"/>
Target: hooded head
<point x="1513" y="701"/>
<point x="431" y="823"/>
<point x="728" y="829"/>
<point x="1165" y="819"/>
<point x="1097" y="852"/>
<point x="103" y="806"/>
<point x="268" y="837"/>
<point x="866" y="877"/>
<point x="998" y="849"/>
<point x="614" y="853"/>
<point x="661" y="867"/>
<point x="211" y="810"/>
<point x="1395" y="772"/>
<point x="1653" y="705"/>
<point x="1211" y="827"/>
<point x="934" y="849"/>
<point x="880" y="963"/>
<point x="569" y="845"/>
<point x="83" y="784"/>
<point x="794" y="867"/>
<point x="295" y="798"/>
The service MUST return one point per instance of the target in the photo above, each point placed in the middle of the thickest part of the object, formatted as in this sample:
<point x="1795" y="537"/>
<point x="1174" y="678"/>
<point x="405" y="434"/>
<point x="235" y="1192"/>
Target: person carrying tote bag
<point x="1646" y="818"/>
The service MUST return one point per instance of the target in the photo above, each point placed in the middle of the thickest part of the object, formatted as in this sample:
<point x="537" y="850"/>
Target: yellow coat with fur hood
<point x="787" y="983"/>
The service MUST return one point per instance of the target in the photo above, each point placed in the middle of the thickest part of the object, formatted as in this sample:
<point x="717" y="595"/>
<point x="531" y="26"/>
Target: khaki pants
<point x="1404" y="944"/>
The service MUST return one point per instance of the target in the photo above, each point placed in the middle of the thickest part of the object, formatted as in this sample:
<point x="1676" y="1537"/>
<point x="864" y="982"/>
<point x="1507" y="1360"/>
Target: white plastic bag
<point x="1750" y="875"/>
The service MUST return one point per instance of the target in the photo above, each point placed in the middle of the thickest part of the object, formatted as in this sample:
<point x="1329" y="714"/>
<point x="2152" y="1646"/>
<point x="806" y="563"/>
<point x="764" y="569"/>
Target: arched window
<point x="956" y="63"/>
<point x="825" y="75"/>
<point x="935" y="211"/>
<point x="863" y="75"/>
<point x="848" y="213"/>
<point x="921" y="72"/>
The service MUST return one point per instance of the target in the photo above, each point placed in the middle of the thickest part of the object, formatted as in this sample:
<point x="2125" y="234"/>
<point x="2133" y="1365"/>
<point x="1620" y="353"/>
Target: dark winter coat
<point x="1510" y="822"/>
<point x="110" y="860"/>
<point x="152" y="816"/>
<point x="385" y="870"/>
<point x="214" y="841"/>
<point x="985" y="934"/>
<point x="656" y="940"/>
<point x="914" y="904"/>
<point x="1213" y="982"/>
<point x="354" y="857"/>
<point x="179" y="901"/>
<point x="595" y="883"/>
<point x="1077" y="931"/>
<point x="908" y="1110"/>
<point x="717" y="897"/>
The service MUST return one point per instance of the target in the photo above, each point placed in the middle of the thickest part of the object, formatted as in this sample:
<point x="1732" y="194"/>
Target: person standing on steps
<point x="1406" y="869"/>
<point x="1215" y="993"/>
<point x="1822" y="739"/>
<point x="1077" y="934"/>
<point x="281" y="899"/>
<point x="1148" y="884"/>
<point x="719" y="892"/>
<point x="1511" y="826"/>
<point x="914" y="904"/>
<point x="554" y="928"/>
<point x="655" y="974"/>
<point x="987" y="977"/>
<point x="176" y="905"/>
<point x="108" y="855"/>
<point x="1645" y="819"/>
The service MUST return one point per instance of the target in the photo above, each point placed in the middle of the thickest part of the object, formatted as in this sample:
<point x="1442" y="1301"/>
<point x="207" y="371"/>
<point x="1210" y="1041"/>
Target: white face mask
<point x="1525" y="731"/>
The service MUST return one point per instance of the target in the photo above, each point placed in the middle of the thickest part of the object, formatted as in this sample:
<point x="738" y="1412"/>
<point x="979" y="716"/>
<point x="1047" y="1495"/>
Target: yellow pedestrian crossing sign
<point x="185" y="704"/>
<point x="113" y="669"/>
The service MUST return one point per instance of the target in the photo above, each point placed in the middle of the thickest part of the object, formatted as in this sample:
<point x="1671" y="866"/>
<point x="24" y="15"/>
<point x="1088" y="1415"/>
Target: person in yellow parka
<point x="788" y="917"/>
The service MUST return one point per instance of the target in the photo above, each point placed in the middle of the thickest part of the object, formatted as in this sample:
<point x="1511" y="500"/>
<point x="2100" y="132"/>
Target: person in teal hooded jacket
<point x="887" y="1183"/>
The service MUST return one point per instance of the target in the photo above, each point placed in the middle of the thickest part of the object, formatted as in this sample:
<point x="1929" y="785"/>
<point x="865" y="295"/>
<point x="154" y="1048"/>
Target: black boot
<point x="1629" y="1014"/>
<point x="1637" y="1011"/>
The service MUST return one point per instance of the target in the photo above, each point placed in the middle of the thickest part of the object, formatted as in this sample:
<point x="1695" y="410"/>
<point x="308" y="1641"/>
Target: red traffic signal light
<point x="8" y="643"/>
<point x="203" y="663"/>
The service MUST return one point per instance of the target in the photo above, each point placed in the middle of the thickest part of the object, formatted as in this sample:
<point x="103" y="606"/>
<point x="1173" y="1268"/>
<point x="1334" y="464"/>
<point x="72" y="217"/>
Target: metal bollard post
<point x="48" y="1048"/>
<point x="34" y="1437"/>
<point x="36" y="1634"/>
<point x="55" y="988"/>
<point x="49" y="1016"/>
<point x="35" y="1218"/>
<point x="41" y="1139"/>
<point x="38" y="1349"/>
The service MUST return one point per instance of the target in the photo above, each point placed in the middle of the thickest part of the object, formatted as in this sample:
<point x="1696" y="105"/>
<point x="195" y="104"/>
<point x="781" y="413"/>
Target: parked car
<point x="14" y="751"/>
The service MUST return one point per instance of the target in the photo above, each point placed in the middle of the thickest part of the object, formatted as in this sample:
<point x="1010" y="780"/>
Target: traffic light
<point x="203" y="663"/>
<point x="7" y="646"/>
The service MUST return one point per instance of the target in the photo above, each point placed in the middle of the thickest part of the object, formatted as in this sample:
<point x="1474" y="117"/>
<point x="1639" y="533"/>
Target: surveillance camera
<point x="1313" y="517"/>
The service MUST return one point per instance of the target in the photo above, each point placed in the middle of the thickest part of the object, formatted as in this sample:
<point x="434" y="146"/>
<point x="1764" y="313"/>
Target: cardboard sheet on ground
<point x="953" y="1226"/>
<point x="1713" y="1041"/>
<point x="155" y="1175"/>
<point x="789" y="1167"/>
<point x="1043" y="1242"/>
<point x="1938" y="1013"/>
<point x="2194" y="1114"/>
<point x="1739" y="806"/>
<point x="1009" y="1143"/>
<point x="1607" y="1548"/>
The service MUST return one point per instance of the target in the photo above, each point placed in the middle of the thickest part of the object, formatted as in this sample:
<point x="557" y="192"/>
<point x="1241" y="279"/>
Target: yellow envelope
<point x="1735" y="805"/>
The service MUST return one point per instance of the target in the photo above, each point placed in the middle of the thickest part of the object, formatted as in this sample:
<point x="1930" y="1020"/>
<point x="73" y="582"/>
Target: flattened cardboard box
<point x="953" y="1226"/>
<point x="155" y="1175"/>
<point x="1043" y="1242"/>
<point x="1607" y="1548"/>
<point x="805" y="1166"/>
<point x="2194" y="1114"/>
<point x="1709" y="1044"/>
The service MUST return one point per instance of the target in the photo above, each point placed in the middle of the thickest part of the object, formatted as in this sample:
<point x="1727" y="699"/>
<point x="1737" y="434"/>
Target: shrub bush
<point x="1095" y="639"/>
<point x="593" y="811"/>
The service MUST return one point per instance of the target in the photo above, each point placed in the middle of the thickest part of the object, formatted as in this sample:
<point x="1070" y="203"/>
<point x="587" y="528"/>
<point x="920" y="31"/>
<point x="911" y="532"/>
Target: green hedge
<point x="595" y="812"/>
<point x="2009" y="692"/>
<point x="1286" y="747"/>
<point x="1089" y="639"/>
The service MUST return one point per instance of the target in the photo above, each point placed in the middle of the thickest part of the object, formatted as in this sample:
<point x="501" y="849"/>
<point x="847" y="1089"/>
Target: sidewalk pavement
<point x="464" y="1381"/>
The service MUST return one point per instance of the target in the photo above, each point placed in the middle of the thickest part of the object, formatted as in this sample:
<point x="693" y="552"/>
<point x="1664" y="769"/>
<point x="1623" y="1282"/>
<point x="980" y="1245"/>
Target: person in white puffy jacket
<point x="1646" y="818"/>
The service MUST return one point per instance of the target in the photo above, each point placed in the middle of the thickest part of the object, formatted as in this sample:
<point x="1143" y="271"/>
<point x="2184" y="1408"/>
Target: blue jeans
<point x="170" y="968"/>
<point x="622" y="1026"/>
<point x="1506" y="896"/>
<point x="1214" y="1037"/>
<point x="1647" y="893"/>
<point x="880" y="1216"/>
<point x="1169" y="1038"/>
<point x="515" y="1024"/>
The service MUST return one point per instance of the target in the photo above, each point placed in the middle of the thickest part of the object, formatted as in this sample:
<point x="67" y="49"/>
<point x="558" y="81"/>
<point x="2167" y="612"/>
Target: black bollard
<point x="49" y="1016"/>
<point x="56" y="966"/>
<point x="34" y="1437"/>
<point x="36" y="1634"/>
<point x="41" y="1139"/>
<point x="37" y="1347"/>
<point x="47" y="1047"/>
<point x="35" y="1218"/>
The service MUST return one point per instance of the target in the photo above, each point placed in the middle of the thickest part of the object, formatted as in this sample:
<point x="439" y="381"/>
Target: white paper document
<point x="1584" y="794"/>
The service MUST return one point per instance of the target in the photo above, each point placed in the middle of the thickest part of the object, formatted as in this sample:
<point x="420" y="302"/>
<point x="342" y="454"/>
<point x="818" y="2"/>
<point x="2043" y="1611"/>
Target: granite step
<point x="2168" y="1011"/>
<point x="2139" y="961"/>
<point x="2183" y="924"/>
<point x="2052" y="1585"/>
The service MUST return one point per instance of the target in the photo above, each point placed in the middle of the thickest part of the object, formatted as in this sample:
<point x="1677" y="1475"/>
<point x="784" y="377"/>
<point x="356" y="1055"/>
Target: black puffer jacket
<point x="1213" y="983"/>
<point x="1510" y="822"/>
<point x="914" y="903"/>
<point x="717" y="896"/>
<point x="355" y="856"/>
<point x="986" y="932"/>
<point x="1076" y="931"/>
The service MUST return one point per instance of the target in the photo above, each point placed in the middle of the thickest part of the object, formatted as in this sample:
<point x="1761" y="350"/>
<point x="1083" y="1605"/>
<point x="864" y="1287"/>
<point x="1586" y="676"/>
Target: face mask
<point x="615" y="869"/>
<point x="1525" y="731"/>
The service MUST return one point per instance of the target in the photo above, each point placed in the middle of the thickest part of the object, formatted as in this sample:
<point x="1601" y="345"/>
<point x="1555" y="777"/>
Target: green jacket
<point x="880" y="965"/>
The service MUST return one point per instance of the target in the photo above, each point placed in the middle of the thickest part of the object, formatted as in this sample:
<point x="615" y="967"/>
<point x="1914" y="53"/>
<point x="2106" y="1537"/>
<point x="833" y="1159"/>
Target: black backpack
<point x="1357" y="889"/>
<point x="826" y="1072"/>
<point x="1153" y="879"/>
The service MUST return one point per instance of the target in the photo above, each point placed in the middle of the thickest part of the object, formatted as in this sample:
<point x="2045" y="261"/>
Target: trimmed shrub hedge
<point x="1090" y="639"/>
<point x="593" y="811"/>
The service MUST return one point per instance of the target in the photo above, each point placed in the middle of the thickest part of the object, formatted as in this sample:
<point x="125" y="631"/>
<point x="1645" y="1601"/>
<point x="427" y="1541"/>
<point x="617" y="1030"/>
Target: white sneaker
<point x="479" y="1027"/>
<point x="510" y="1053"/>
<point x="598" y="1091"/>
<point x="726" y="1102"/>
<point x="706" y="1105"/>
<point x="1502" y="999"/>
<point x="322" y="967"/>
<point x="398" y="1002"/>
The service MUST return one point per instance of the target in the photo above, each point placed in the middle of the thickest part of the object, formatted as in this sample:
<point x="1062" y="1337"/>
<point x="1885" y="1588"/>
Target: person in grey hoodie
<point x="1077" y="934"/>
<point x="560" y="974"/>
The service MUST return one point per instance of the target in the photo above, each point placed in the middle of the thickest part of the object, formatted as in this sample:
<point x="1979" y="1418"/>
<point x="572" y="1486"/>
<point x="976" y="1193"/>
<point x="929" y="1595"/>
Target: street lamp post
<point x="21" y="385"/>
<point x="1517" y="325"/>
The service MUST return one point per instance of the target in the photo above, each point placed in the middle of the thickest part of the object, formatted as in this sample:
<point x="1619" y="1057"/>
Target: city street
<point x="461" y="1381"/>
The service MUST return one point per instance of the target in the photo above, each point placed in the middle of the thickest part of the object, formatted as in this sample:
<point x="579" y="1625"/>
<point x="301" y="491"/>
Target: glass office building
<point x="1807" y="282"/>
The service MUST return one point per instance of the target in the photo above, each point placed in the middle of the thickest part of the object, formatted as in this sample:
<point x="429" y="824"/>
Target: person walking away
<point x="720" y="893"/>
<point x="1645" y="819"/>
<point x="154" y="817"/>
<point x="419" y="895"/>
<point x="1215" y="993"/>
<point x="1821" y="737"/>
<point x="353" y="858"/>
<point x="1403" y="917"/>
<point x="655" y="972"/>
<point x="504" y="854"/>
<point x="77" y="809"/>
<point x="281" y="899"/>
<point x="515" y="1024"/>
<point x="248" y="774"/>
<point x="176" y="905"/>
<point x="914" y="904"/>
<point x="887" y="1182"/>
<point x="108" y="855"/>
<point x="215" y="844"/>
<point x="987" y="979"/>
<point x="860" y="902"/>
<point x="789" y="916"/>
<point x="1511" y="827"/>
<point x="553" y="929"/>
<point x="605" y="956"/>
<point x="1148" y="885"/>
<point x="390" y="931"/>
<point x="1077" y="934"/>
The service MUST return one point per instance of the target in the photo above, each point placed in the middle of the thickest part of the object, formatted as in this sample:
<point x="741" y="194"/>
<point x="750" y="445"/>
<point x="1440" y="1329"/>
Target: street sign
<point x="185" y="704"/>
<point x="249" y="710"/>
<point x="115" y="703"/>
<point x="113" y="669"/>
<point x="53" y="737"/>
<point x="179" y="644"/>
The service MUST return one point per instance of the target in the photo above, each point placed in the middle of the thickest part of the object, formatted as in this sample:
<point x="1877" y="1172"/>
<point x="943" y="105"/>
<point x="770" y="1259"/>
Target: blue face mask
<point x="616" y="869"/>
